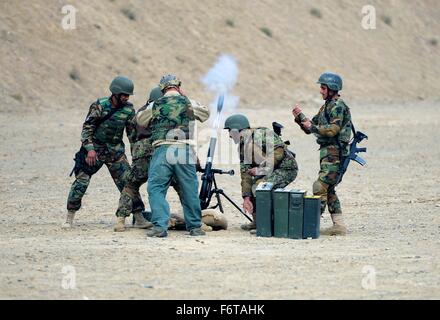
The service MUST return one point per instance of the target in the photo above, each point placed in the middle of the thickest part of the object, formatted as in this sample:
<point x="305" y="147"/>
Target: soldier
<point x="102" y="143"/>
<point x="264" y="157"/>
<point x="171" y="122"/>
<point x="332" y="127"/>
<point x="138" y="174"/>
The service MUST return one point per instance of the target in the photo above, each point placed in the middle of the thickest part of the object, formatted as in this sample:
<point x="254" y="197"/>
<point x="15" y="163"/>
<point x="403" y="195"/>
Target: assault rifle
<point x="353" y="155"/>
<point x="277" y="127"/>
<point x="209" y="186"/>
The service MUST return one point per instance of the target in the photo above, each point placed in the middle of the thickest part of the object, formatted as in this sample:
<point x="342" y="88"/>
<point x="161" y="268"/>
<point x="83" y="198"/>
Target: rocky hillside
<point x="281" y="47"/>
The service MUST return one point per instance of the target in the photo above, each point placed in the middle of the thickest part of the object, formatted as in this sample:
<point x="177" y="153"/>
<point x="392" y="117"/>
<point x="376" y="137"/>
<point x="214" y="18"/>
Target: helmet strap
<point x="331" y="94"/>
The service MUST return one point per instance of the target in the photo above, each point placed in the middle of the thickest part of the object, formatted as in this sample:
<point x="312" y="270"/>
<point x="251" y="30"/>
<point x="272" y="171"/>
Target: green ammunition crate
<point x="264" y="209"/>
<point x="296" y="208"/>
<point x="312" y="217"/>
<point x="281" y="213"/>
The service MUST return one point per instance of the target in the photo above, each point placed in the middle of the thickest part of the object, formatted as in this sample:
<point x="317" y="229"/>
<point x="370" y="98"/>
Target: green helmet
<point x="331" y="80"/>
<point x="237" y="121"/>
<point x="122" y="85"/>
<point x="155" y="94"/>
<point x="169" y="80"/>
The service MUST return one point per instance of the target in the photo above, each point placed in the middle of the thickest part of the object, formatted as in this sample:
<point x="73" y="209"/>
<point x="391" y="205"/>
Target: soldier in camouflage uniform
<point x="171" y="122"/>
<point x="142" y="151"/>
<point x="102" y="143"/>
<point x="264" y="157"/>
<point x="332" y="128"/>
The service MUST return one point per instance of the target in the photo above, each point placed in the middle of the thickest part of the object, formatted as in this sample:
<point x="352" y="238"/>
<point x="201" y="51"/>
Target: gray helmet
<point x="155" y="94"/>
<point x="237" y="121"/>
<point x="122" y="85"/>
<point x="169" y="80"/>
<point x="331" y="80"/>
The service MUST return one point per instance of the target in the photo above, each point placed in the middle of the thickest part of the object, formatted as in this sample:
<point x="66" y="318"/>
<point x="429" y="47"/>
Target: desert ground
<point x="50" y="75"/>
<point x="391" y="207"/>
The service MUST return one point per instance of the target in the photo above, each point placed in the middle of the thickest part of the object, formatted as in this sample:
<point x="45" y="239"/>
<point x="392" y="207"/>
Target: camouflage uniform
<point x="263" y="149"/>
<point x="137" y="175"/>
<point x="106" y="140"/>
<point x="170" y="121"/>
<point x="332" y="127"/>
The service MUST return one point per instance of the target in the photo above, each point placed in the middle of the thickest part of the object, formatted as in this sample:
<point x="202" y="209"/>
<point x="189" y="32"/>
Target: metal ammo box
<point x="281" y="199"/>
<point x="296" y="209"/>
<point x="264" y="209"/>
<point x="312" y="217"/>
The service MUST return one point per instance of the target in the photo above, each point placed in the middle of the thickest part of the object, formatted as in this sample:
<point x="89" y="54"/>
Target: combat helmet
<point x="155" y="94"/>
<point x="122" y="85"/>
<point x="331" y="80"/>
<point x="237" y="121"/>
<point x="169" y="80"/>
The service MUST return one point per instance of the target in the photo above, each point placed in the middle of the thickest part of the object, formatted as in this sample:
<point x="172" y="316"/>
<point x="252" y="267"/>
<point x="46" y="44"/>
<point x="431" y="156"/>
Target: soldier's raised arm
<point x="336" y="118"/>
<point x="144" y="117"/>
<point x="201" y="112"/>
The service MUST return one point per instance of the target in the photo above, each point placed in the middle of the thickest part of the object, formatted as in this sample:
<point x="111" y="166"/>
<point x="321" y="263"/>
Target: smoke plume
<point x="221" y="79"/>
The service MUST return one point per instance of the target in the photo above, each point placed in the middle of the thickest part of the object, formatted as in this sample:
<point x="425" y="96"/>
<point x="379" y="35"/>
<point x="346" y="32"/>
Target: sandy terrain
<point x="392" y="208"/>
<point x="49" y="77"/>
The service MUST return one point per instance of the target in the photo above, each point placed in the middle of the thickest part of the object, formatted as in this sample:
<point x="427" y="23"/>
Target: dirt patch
<point x="391" y="207"/>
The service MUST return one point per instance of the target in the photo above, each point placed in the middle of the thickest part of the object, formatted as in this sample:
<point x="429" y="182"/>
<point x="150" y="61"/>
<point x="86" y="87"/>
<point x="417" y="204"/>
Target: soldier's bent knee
<point x="82" y="177"/>
<point x="319" y="188"/>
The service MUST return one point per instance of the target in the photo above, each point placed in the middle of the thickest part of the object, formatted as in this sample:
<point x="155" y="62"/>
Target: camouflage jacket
<point x="146" y="115"/>
<point x="106" y="139"/>
<point x="171" y="118"/>
<point x="263" y="149"/>
<point x="142" y="147"/>
<point x="332" y="125"/>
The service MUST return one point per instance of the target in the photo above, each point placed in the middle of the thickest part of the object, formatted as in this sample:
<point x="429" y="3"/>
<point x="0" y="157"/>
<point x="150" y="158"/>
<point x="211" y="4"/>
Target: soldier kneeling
<point x="264" y="157"/>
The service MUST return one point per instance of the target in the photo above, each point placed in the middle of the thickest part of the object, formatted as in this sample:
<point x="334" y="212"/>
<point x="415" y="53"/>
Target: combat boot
<point x="140" y="222"/>
<point x="197" y="232"/>
<point x="206" y="228"/>
<point x="120" y="224"/>
<point x="252" y="225"/>
<point x="69" y="220"/>
<point x="338" y="228"/>
<point x="157" y="233"/>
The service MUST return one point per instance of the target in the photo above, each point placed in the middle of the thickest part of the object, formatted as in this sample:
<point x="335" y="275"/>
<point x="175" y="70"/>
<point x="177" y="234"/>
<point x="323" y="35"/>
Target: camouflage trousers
<point x="280" y="177"/>
<point x="325" y="186"/>
<point x="130" y="199"/>
<point x="79" y="187"/>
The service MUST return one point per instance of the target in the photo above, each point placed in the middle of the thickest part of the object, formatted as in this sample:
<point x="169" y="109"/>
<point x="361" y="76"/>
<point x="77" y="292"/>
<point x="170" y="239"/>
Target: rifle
<point x="277" y="127"/>
<point x="353" y="155"/>
<point x="208" y="177"/>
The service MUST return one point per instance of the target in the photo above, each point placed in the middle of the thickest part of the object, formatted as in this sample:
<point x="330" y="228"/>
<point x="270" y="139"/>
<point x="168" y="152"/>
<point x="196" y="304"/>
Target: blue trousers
<point x="178" y="162"/>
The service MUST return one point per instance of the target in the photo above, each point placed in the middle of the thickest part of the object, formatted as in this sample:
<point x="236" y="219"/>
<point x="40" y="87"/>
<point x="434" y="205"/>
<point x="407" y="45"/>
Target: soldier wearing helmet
<point x="332" y="128"/>
<point x="264" y="157"/>
<point x="142" y="152"/>
<point x="171" y="123"/>
<point x="102" y="142"/>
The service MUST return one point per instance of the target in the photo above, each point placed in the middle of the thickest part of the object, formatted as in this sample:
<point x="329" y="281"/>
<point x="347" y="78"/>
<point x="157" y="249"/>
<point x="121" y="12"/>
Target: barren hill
<point x="281" y="47"/>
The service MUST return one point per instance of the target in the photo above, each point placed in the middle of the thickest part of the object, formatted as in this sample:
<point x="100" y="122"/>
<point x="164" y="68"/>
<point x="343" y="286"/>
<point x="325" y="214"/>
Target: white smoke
<point x="221" y="79"/>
